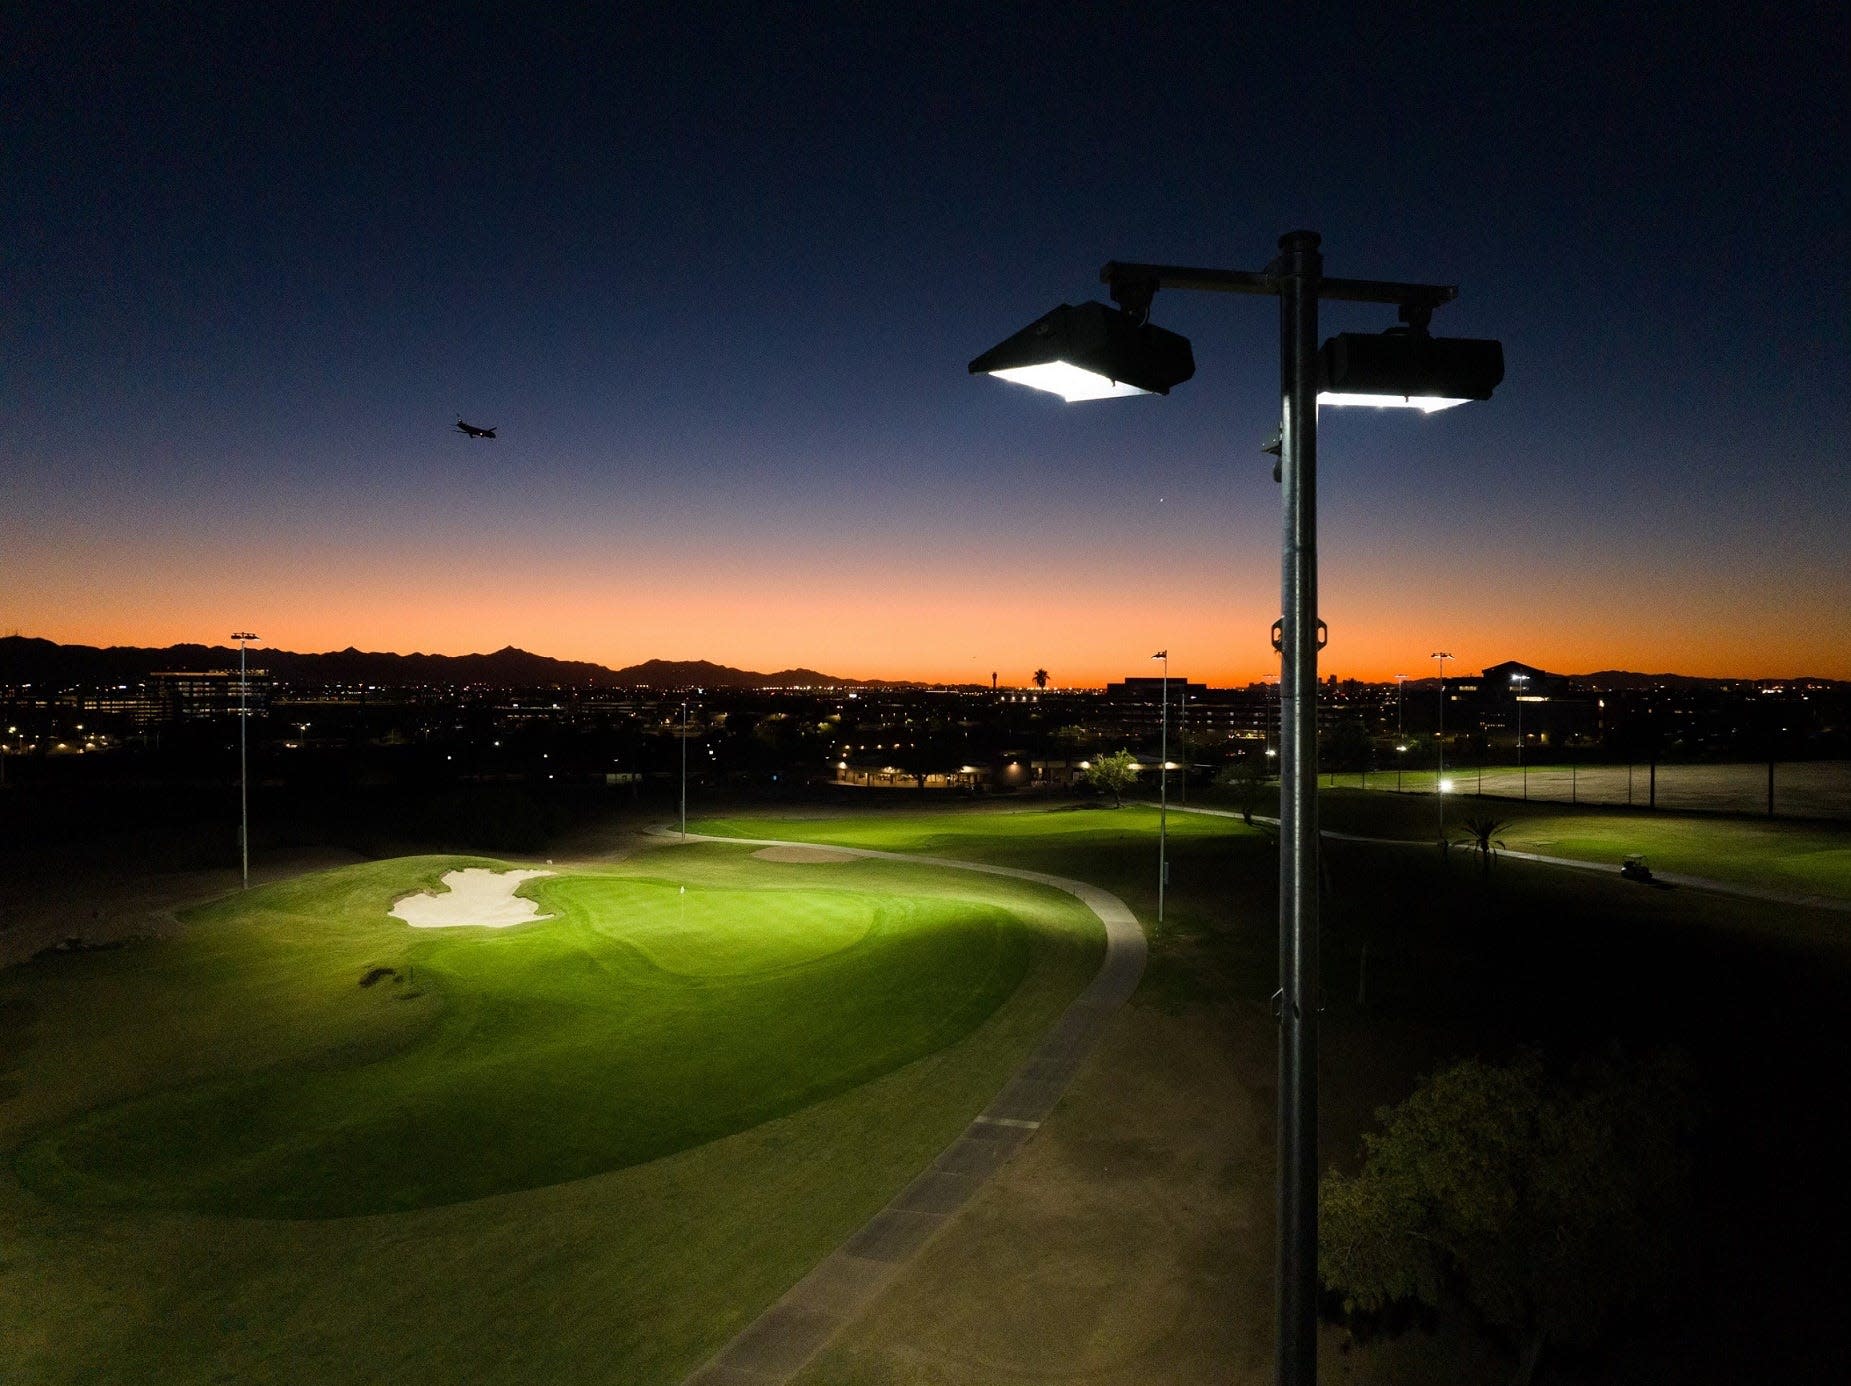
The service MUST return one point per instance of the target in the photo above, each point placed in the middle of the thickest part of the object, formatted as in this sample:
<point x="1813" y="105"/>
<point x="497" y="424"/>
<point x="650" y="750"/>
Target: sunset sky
<point x="716" y="272"/>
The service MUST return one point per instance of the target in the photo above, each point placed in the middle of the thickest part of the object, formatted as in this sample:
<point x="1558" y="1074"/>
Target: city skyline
<point x="715" y="277"/>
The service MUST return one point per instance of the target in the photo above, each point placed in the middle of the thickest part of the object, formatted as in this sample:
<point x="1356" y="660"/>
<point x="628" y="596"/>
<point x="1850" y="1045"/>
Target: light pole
<point x="1518" y="682"/>
<point x="684" y="769"/>
<point x="1439" y="746"/>
<point x="244" y="779"/>
<point x="1401" y="735"/>
<point x="1182" y="727"/>
<point x="1097" y="352"/>
<point x="1163" y="782"/>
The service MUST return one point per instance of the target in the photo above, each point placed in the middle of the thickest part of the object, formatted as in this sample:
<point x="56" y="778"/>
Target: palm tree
<point x="1041" y="678"/>
<point x="1481" y="836"/>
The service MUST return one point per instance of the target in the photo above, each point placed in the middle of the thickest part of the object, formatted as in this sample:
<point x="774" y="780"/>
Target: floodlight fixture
<point x="1092" y="351"/>
<point x="1405" y="368"/>
<point x="1097" y="352"/>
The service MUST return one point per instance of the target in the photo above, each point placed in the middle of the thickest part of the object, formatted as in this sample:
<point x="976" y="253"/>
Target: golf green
<point x="356" y="1065"/>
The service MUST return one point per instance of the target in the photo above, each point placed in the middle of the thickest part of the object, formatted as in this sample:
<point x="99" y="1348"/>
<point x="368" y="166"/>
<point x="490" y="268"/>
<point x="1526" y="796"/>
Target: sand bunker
<point x="803" y="854"/>
<point x="476" y="896"/>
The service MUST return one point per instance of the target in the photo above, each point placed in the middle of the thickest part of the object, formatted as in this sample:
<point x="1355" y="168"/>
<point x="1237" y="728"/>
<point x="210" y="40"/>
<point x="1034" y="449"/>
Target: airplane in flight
<point x="472" y="431"/>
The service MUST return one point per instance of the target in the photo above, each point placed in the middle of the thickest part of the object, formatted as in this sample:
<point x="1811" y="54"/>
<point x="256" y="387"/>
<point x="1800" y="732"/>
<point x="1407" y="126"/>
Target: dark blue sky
<point x="715" y="271"/>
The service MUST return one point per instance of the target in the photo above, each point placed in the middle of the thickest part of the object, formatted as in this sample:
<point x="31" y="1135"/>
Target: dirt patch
<point x="802" y="855"/>
<point x="1139" y="1209"/>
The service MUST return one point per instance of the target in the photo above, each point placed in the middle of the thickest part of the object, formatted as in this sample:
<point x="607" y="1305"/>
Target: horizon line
<point x="828" y="680"/>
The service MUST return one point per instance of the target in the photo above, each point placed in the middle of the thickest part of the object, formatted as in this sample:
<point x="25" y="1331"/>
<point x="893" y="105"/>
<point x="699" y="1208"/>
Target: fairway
<point x="661" y="1105"/>
<point x="1801" y="858"/>
<point x="646" y="1017"/>
<point x="1044" y="838"/>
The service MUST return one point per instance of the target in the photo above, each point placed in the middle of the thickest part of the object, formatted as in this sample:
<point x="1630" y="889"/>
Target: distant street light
<point x="1401" y="736"/>
<point x="244" y="779"/>
<point x="1182" y="726"/>
<point x="1439" y="746"/>
<point x="1097" y="352"/>
<point x="1163" y="792"/>
<point x="1519" y="682"/>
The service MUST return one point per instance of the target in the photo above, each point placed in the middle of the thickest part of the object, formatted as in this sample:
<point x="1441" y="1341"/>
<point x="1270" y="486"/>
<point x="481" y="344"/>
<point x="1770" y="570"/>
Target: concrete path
<point x="776" y="1345"/>
<point x="1746" y="892"/>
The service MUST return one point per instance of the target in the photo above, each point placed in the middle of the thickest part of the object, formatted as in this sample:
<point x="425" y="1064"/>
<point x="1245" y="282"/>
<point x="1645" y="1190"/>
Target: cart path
<point x="776" y="1345"/>
<point x="1676" y="878"/>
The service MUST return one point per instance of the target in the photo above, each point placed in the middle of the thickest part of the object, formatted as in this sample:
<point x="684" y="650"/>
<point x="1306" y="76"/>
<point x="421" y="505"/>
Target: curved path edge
<point x="776" y="1345"/>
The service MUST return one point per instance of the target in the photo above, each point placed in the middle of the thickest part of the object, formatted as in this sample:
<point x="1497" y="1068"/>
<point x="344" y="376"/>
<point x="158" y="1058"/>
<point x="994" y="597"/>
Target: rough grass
<point x="1805" y="858"/>
<point x="588" y="1148"/>
<point x="1131" y="1240"/>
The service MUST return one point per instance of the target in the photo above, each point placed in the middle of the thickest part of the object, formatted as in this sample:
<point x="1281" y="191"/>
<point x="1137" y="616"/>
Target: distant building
<point x="206" y="695"/>
<point x="1514" y="701"/>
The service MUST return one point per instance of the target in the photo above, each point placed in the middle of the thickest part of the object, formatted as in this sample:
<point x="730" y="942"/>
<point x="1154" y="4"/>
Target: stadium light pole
<point x="1401" y="734"/>
<point x="1182" y="730"/>
<point x="1519" y="682"/>
<point x="1097" y="352"/>
<point x="684" y="769"/>
<point x="244" y="778"/>
<point x="1439" y="745"/>
<point x="1163" y="783"/>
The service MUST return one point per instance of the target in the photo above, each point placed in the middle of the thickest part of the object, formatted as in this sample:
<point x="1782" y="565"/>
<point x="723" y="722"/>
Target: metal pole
<point x="684" y="770"/>
<point x="1522" y="759"/>
<point x="1163" y="782"/>
<point x="1182" y="785"/>
<point x="244" y="778"/>
<point x="1300" y="268"/>
<point x="1401" y="735"/>
<point x="1439" y="747"/>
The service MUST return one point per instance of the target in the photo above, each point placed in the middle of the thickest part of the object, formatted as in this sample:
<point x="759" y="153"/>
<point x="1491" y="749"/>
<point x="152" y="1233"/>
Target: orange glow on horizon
<point x="934" y="643"/>
<point x="913" y="611"/>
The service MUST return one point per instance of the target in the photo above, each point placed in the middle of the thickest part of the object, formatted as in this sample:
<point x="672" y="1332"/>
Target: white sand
<point x="803" y="854"/>
<point x="477" y="896"/>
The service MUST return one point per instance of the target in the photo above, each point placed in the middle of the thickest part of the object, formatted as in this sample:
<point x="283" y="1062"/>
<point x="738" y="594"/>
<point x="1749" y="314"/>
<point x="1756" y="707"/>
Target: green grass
<point x="1804" y="858"/>
<point x="1777" y="856"/>
<point x="593" y="1145"/>
<point x="1037" y="838"/>
<point x="1219" y="869"/>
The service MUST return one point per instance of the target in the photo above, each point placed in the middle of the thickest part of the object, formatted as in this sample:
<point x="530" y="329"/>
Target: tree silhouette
<point x="1041" y="678"/>
<point x="1481" y="835"/>
<point x="1113" y="772"/>
<point x="1548" y="1206"/>
<point x="1246" y="776"/>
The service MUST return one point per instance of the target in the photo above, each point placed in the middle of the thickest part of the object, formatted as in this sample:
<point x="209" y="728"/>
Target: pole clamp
<point x="1279" y="635"/>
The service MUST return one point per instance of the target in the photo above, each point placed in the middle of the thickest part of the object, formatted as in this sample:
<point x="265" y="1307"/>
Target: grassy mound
<point x="652" y="1015"/>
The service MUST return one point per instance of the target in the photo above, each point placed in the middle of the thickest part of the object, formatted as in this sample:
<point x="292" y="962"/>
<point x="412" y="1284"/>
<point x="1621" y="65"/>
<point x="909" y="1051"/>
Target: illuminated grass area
<point x="1045" y="839"/>
<point x="1220" y="870"/>
<point x="1776" y="856"/>
<point x="599" y="1143"/>
<point x="1804" y="858"/>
